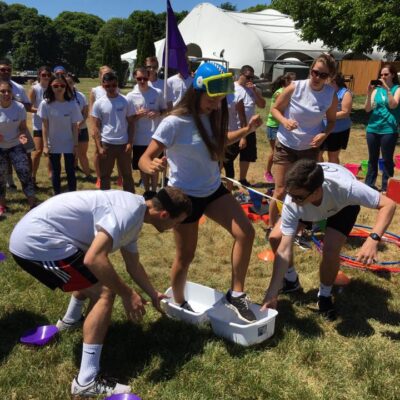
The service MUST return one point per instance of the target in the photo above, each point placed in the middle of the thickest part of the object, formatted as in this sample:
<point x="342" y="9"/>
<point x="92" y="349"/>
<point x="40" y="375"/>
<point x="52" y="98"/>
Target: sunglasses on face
<point x="4" y="91"/>
<point x="249" y="77"/>
<point x="109" y="85"/>
<point x="316" y="74"/>
<point x="151" y="67"/>
<point x="5" y="69"/>
<point x="45" y="75"/>
<point x="299" y="199"/>
<point x="58" y="86"/>
<point x="384" y="74"/>
<point x="143" y="79"/>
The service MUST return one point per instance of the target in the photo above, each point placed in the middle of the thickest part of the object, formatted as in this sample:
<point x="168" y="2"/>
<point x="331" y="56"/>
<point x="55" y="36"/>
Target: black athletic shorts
<point x="199" y="204"/>
<point x="336" y="141"/>
<point x="68" y="275"/>
<point x="343" y="221"/>
<point x="83" y="135"/>
<point x="137" y="152"/>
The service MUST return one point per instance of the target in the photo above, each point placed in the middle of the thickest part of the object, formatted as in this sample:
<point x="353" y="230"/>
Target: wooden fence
<point x="359" y="73"/>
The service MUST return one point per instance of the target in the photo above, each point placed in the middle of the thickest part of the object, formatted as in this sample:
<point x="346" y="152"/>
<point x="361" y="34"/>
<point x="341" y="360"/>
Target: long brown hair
<point x="190" y="105"/>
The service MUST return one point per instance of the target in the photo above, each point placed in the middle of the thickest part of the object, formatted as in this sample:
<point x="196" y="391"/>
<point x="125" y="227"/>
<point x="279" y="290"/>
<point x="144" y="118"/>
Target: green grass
<point x="356" y="357"/>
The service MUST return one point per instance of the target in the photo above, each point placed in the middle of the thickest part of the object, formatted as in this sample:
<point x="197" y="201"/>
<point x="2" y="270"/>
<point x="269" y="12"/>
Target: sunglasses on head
<point x="58" y="86"/>
<point x="316" y="74"/>
<point x="5" y="69"/>
<point x="110" y="85"/>
<point x="142" y="79"/>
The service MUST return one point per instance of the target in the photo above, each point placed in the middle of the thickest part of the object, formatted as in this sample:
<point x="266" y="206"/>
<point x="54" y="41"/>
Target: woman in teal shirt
<point x="382" y="129"/>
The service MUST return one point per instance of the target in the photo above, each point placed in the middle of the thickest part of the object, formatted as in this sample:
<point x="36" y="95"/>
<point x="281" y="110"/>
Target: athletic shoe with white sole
<point x="65" y="326"/>
<point x="101" y="385"/>
<point x="241" y="307"/>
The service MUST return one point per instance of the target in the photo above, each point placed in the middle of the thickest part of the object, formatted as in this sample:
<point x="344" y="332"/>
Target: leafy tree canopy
<point x="357" y="25"/>
<point x="256" y="8"/>
<point x="228" y="6"/>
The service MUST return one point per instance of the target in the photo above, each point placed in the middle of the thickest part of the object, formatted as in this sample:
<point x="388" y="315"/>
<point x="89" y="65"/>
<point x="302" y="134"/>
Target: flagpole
<point x="166" y="56"/>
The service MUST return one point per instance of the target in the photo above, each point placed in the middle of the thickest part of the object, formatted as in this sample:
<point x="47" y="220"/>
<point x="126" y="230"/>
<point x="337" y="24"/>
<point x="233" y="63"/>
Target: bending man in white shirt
<point x="65" y="243"/>
<point x="316" y="192"/>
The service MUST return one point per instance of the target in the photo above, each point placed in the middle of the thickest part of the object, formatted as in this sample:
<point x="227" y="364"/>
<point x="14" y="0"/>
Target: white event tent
<point x="259" y="39"/>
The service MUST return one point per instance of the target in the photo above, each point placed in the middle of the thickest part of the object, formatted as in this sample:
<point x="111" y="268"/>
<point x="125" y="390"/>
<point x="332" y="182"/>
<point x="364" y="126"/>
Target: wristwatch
<point x="375" y="236"/>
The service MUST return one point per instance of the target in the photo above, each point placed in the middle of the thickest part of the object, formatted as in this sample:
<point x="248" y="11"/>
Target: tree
<point x="76" y="31"/>
<point x="111" y="56"/>
<point x="356" y="25"/>
<point x="145" y="47"/>
<point x="27" y="36"/>
<point x="256" y="8"/>
<point x="228" y="6"/>
<point x="121" y="31"/>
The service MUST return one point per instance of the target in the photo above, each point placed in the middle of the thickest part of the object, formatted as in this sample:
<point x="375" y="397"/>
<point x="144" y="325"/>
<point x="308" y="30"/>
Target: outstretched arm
<point x="96" y="259"/>
<point x="369" y="250"/>
<point x="139" y="275"/>
<point x="281" y="265"/>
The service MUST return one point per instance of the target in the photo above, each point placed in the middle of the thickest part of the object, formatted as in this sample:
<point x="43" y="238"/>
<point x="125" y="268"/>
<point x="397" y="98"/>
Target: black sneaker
<point x="186" y="306"/>
<point x="245" y="182"/>
<point x="241" y="307"/>
<point x="326" y="307"/>
<point x="289" y="287"/>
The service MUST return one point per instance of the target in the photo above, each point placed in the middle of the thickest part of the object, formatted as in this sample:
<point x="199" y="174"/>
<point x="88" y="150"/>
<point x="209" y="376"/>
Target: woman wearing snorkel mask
<point x="194" y="137"/>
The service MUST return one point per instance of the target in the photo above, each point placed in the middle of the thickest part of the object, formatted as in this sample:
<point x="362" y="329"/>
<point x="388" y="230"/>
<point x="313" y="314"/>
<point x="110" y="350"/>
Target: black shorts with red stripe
<point x="68" y="274"/>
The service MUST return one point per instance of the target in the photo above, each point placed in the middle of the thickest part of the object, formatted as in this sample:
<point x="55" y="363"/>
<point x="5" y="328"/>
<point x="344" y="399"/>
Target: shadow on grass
<point x="13" y="325"/>
<point x="129" y="348"/>
<point x="360" y="302"/>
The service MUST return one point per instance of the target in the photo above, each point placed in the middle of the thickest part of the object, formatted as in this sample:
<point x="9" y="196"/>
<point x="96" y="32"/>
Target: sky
<point x="107" y="9"/>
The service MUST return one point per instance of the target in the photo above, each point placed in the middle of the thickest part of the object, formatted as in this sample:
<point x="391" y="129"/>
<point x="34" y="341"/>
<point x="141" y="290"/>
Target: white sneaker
<point x="65" y="326"/>
<point x="100" y="385"/>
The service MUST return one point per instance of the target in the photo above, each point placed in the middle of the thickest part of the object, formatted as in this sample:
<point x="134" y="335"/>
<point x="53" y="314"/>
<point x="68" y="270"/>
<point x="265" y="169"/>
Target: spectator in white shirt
<point x="113" y="132"/>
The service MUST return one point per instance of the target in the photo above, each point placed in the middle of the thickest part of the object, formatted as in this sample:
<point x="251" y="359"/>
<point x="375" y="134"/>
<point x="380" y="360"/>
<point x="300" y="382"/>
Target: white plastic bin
<point x="201" y="299"/>
<point x="226" y="323"/>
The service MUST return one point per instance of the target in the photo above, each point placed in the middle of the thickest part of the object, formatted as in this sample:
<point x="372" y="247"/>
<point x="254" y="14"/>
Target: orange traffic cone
<point x="266" y="255"/>
<point x="341" y="279"/>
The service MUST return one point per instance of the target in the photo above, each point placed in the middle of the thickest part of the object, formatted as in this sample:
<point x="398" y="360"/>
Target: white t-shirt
<point x="152" y="100"/>
<point x="98" y="92"/>
<point x="248" y="97"/>
<point x="60" y="226"/>
<point x="234" y="123"/>
<point x="177" y="87"/>
<point x="340" y="189"/>
<point x="19" y="93"/>
<point x="158" y="84"/>
<point x="191" y="167"/>
<point x="61" y="116"/>
<point x="36" y="120"/>
<point x="81" y="101"/>
<point x="308" y="108"/>
<point x="113" y="113"/>
<point x="10" y="119"/>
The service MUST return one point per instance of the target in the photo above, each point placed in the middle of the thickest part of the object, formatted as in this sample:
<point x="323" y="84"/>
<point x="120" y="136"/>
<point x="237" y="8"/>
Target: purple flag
<point x="176" y="46"/>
